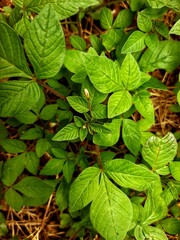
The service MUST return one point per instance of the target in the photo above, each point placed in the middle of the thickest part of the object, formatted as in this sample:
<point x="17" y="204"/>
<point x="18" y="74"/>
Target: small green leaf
<point x="45" y="44"/>
<point x="118" y="103"/>
<point x="12" y="59"/>
<point x="144" y="105"/>
<point x="160" y="151"/>
<point x="3" y="131"/>
<point x="17" y="96"/>
<point x="130" y="175"/>
<point x="96" y="127"/>
<point x="176" y="28"/>
<point x="162" y="29"/>
<point x="22" y="26"/>
<point x="26" y="117"/>
<point x="48" y="111"/>
<point x="111" y="38"/>
<point x="99" y="111"/>
<point x="130" y="73"/>
<point x="144" y="23"/>
<point x="13" y="145"/>
<point x="134" y="43"/>
<point x="32" y="162"/>
<point x="111" y="211"/>
<point x="171" y="225"/>
<point x="131" y="136"/>
<point x="175" y="170"/>
<point x="42" y="146"/>
<point x="78" y="42"/>
<point x="34" y="187"/>
<point x="53" y="167"/>
<point x="124" y="19"/>
<point x="84" y="188"/>
<point x="68" y="170"/>
<point x="152" y="41"/>
<point x="154" y="233"/>
<point x="62" y="196"/>
<point x="96" y="43"/>
<point x="78" y="103"/>
<point x="32" y="133"/>
<point x="106" y="18"/>
<point x="14" y="199"/>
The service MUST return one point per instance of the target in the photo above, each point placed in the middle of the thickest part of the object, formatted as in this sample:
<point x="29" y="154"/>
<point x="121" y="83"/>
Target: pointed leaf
<point x="45" y="44"/>
<point x="144" y="23"/>
<point x="130" y="175"/>
<point x="13" y="145"/>
<point x="154" y="233"/>
<point x="53" y="167"/>
<point x="78" y="42"/>
<point x="111" y="211"/>
<point x="106" y="18"/>
<point x="160" y="151"/>
<point x="68" y="170"/>
<point x="32" y="162"/>
<point x="14" y="199"/>
<point x="176" y="28"/>
<point x="78" y="103"/>
<point x="118" y="103"/>
<point x="17" y="96"/>
<point x="124" y="19"/>
<point x="69" y="132"/>
<point x="12" y="59"/>
<point x="175" y="170"/>
<point x="84" y="188"/>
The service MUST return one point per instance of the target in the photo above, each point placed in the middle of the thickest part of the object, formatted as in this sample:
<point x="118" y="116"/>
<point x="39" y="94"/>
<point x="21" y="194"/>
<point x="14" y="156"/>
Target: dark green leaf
<point x="13" y="145"/>
<point x="48" y="111"/>
<point x="14" y="199"/>
<point x="32" y="162"/>
<point x="53" y="167"/>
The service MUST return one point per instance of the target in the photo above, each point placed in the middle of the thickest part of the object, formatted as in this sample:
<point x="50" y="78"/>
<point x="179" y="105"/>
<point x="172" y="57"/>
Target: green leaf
<point x="130" y="175"/>
<point x="84" y="188"/>
<point x="111" y="38"/>
<point x="111" y="138"/>
<point x="32" y="134"/>
<point x="14" y="199"/>
<point x="48" y="111"/>
<point x="154" y="233"/>
<point x="178" y="97"/>
<point x="34" y="187"/>
<point x="99" y="111"/>
<point x="152" y="41"/>
<point x="32" y="162"/>
<point x="171" y="225"/>
<point x="162" y="29"/>
<point x="68" y="170"/>
<point x="144" y="105"/>
<point x="164" y="57"/>
<point x="62" y="196"/>
<point x="96" y="43"/>
<point x="13" y="145"/>
<point x="53" y="167"/>
<point x="78" y="42"/>
<point x="96" y="127"/>
<point x="176" y="28"/>
<point x="130" y="73"/>
<point x="155" y="84"/>
<point x="12" y="59"/>
<point x="45" y="44"/>
<point x="106" y="18"/>
<point x="144" y="23"/>
<point x="175" y="170"/>
<point x="78" y="103"/>
<point x="3" y="131"/>
<point x="131" y="136"/>
<point x="64" y="8"/>
<point x="22" y="26"/>
<point x="103" y="73"/>
<point x="118" y="103"/>
<point x="42" y="146"/>
<point x="12" y="169"/>
<point x="26" y="117"/>
<point x="124" y="19"/>
<point x="111" y="211"/>
<point x="134" y="43"/>
<point x="160" y="151"/>
<point x="17" y="96"/>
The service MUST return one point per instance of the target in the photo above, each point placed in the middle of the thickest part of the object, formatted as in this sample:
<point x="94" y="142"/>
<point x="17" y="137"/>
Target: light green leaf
<point x="130" y="175"/>
<point x="130" y="73"/>
<point x="48" y="111"/>
<point x="32" y="162"/>
<point x="69" y="132"/>
<point x="175" y="170"/>
<point x="64" y="8"/>
<point x="17" y="96"/>
<point x="118" y="103"/>
<point x="45" y="44"/>
<point x="13" y="145"/>
<point x="144" y="105"/>
<point x="131" y="136"/>
<point x="111" y="211"/>
<point x="176" y="28"/>
<point x="78" y="103"/>
<point x="14" y="199"/>
<point x="178" y="97"/>
<point x="12" y="59"/>
<point x="68" y="170"/>
<point x="166" y="56"/>
<point x="154" y="233"/>
<point x="160" y="151"/>
<point x="34" y="187"/>
<point x="134" y="43"/>
<point x="84" y="188"/>
<point x="152" y="41"/>
<point x="111" y="138"/>
<point x="22" y="26"/>
<point x="78" y="42"/>
<point x="96" y="127"/>
<point x="144" y="23"/>
<point x="123" y="19"/>
<point x="111" y="38"/>
<point x="106" y="18"/>
<point x="53" y="167"/>
<point x="42" y="146"/>
<point x="99" y="111"/>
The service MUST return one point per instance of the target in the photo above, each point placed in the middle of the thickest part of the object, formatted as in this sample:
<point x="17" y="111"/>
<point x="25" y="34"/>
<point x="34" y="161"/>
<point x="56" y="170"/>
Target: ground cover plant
<point x="89" y="125"/>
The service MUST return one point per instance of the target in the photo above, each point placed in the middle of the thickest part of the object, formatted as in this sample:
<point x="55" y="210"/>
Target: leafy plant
<point x="106" y="169"/>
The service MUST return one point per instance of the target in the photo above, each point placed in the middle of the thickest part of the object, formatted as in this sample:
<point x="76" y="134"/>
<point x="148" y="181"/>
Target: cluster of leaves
<point x="122" y="195"/>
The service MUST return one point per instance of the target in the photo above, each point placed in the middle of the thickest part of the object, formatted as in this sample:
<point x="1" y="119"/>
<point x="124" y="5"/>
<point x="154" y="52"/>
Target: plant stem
<point x="99" y="157"/>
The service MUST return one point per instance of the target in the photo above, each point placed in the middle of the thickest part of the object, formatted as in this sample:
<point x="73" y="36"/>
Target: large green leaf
<point x="130" y="73"/>
<point x="160" y="151"/>
<point x="119" y="102"/>
<point x="64" y="8"/>
<point x="103" y="73"/>
<point x="131" y="136"/>
<point x="111" y="211"/>
<point x="144" y="105"/>
<point x="17" y="96"/>
<point x="69" y="132"/>
<point x="45" y="44"/>
<point x="130" y="175"/>
<point x="84" y="188"/>
<point x="14" y="199"/>
<point x="165" y="56"/>
<point x="12" y="59"/>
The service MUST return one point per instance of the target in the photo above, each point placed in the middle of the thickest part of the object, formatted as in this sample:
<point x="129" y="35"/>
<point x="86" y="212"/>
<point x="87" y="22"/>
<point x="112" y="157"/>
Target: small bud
<point x="86" y="92"/>
<point x="84" y="126"/>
